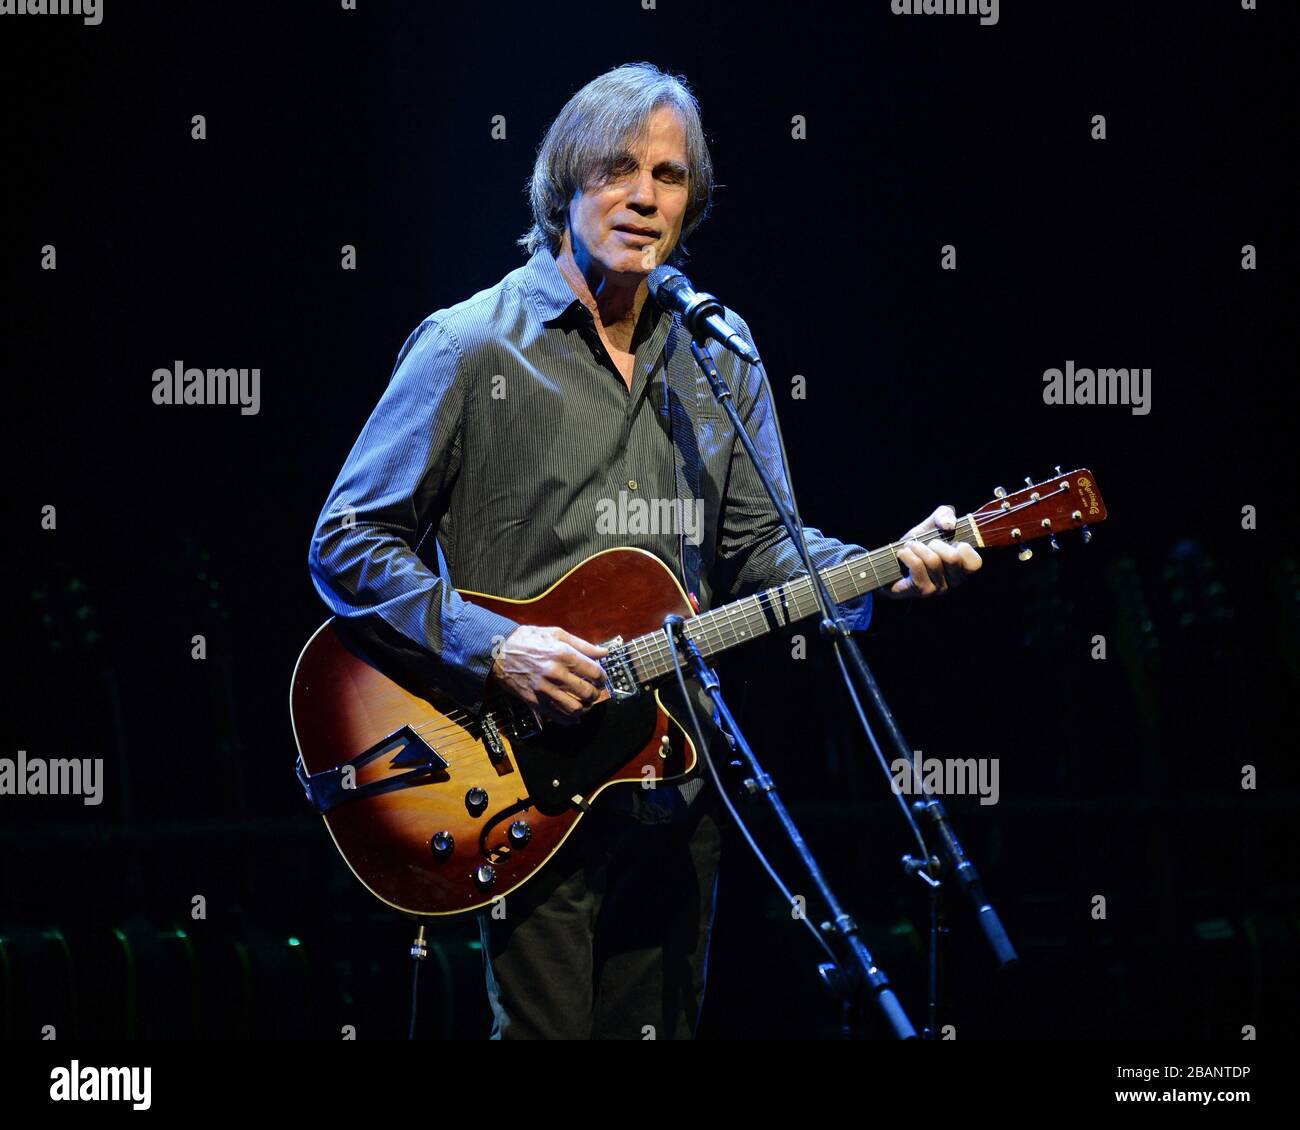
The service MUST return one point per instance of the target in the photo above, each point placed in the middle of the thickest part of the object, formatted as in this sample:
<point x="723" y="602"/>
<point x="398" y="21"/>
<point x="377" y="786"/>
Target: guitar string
<point x="642" y="652"/>
<point x="717" y="620"/>
<point x="660" y="649"/>
<point x="710" y="632"/>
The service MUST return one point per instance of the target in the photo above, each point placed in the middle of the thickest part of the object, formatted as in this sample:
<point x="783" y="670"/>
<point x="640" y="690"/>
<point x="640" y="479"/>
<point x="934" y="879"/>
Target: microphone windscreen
<point x="660" y="282"/>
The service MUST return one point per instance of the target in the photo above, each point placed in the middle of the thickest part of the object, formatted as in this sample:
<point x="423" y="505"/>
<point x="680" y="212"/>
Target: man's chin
<point x="635" y="263"/>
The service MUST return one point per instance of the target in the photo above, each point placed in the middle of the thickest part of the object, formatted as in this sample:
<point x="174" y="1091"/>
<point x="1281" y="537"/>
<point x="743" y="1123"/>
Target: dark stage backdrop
<point x="919" y="216"/>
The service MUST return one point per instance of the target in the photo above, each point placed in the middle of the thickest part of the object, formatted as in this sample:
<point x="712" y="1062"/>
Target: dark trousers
<point x="610" y="941"/>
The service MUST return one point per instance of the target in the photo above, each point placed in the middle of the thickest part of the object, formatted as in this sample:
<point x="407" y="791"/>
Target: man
<point x="511" y="420"/>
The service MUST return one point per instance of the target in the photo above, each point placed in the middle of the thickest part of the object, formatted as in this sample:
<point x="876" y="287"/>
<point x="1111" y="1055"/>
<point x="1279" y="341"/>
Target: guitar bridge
<point x="620" y="678"/>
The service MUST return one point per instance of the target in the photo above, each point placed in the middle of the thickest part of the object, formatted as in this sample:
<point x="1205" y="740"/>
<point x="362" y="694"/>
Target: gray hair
<point x="584" y="142"/>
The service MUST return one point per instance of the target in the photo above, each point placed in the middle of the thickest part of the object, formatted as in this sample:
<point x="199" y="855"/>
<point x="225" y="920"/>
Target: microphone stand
<point x="832" y="627"/>
<point x="869" y="976"/>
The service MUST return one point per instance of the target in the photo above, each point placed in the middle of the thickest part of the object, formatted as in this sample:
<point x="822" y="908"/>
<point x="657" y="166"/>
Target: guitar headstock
<point x="1069" y="501"/>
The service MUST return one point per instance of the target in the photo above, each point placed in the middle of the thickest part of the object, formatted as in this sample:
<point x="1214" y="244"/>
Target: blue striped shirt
<point x="505" y="432"/>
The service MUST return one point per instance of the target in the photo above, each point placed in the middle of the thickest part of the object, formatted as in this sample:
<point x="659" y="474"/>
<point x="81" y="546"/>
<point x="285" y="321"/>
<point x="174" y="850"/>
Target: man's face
<point x="630" y="223"/>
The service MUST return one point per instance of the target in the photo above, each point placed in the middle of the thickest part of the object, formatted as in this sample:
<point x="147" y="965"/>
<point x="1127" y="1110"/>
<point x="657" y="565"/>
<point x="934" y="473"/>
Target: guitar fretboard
<point x="753" y="616"/>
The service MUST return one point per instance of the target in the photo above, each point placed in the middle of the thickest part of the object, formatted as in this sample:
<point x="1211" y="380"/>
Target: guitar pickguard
<point x="562" y="762"/>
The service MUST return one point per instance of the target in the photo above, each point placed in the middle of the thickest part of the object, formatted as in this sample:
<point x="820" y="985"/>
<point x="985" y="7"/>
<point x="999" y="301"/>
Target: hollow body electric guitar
<point x="439" y="811"/>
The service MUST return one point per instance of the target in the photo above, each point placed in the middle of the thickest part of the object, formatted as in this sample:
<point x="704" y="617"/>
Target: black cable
<point x="415" y="984"/>
<point x="703" y="748"/>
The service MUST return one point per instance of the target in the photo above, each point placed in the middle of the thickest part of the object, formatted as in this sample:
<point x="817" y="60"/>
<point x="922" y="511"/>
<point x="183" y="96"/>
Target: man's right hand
<point x="552" y="670"/>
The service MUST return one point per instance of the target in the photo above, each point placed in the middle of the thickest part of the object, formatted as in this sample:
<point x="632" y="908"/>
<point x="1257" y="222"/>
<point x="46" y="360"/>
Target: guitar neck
<point x="754" y="616"/>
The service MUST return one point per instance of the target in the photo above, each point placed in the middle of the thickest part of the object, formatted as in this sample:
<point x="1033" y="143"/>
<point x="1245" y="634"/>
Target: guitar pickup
<point x="492" y="739"/>
<point x="620" y="678"/>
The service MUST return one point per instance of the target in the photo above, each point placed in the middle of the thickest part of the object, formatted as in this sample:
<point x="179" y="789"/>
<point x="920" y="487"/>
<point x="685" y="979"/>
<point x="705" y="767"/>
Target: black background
<point x="1119" y="777"/>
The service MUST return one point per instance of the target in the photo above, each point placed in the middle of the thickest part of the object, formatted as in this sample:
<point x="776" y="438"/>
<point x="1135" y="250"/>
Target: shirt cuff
<point x="470" y="648"/>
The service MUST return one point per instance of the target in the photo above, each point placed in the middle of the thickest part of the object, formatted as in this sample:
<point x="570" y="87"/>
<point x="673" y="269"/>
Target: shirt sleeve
<point x="754" y="550"/>
<point x="391" y="492"/>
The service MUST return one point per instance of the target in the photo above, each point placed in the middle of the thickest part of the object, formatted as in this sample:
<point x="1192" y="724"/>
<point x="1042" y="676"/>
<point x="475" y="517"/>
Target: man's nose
<point x="641" y="192"/>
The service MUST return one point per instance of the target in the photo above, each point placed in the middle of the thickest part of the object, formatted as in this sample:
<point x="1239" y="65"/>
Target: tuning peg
<point x="999" y="492"/>
<point x="1053" y="543"/>
<point x="1028" y="481"/>
<point x="1087" y="535"/>
<point x="1025" y="553"/>
<point x="1057" y="469"/>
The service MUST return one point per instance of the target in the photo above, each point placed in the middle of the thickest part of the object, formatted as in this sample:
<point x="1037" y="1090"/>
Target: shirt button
<point x="631" y="484"/>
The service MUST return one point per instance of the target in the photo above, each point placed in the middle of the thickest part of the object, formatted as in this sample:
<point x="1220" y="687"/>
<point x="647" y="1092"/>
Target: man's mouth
<point x="632" y="229"/>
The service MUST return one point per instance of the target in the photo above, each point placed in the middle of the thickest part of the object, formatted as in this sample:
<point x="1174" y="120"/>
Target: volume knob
<point x="476" y="800"/>
<point x="443" y="843"/>
<point x="520" y="833"/>
<point x="485" y="875"/>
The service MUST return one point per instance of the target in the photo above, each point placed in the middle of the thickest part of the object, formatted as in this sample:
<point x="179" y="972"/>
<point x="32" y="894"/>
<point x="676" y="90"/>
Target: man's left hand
<point x="934" y="566"/>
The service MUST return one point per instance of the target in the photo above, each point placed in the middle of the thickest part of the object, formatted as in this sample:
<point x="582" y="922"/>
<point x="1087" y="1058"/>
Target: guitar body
<point x="385" y="814"/>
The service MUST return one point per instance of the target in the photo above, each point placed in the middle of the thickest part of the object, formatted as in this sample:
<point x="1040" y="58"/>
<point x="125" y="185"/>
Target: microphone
<point x="701" y="313"/>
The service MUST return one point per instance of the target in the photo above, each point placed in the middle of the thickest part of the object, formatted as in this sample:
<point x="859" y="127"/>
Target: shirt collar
<point x="550" y="289"/>
<point x="555" y="298"/>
